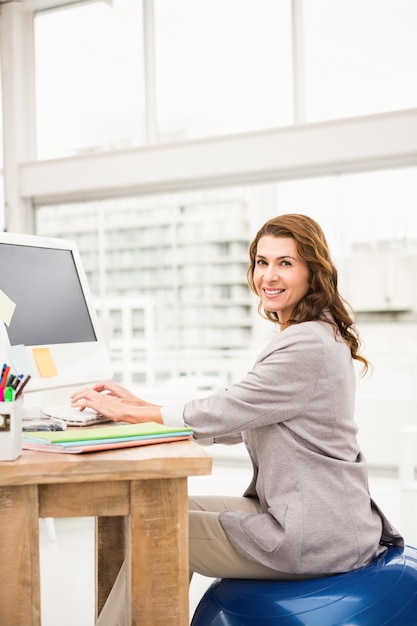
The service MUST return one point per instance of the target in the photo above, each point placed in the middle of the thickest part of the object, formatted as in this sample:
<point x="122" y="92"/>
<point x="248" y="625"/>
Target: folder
<point x="100" y="438"/>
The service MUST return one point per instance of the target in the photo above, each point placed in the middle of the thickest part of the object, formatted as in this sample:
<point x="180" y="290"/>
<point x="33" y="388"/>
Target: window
<point x="222" y="67"/>
<point x="359" y="57"/>
<point x="89" y="78"/>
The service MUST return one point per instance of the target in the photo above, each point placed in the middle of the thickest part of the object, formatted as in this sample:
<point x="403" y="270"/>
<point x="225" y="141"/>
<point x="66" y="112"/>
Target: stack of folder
<point x="103" y="438"/>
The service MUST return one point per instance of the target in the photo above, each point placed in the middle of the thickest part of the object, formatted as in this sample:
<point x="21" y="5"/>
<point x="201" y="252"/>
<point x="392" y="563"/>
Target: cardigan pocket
<point x="267" y="530"/>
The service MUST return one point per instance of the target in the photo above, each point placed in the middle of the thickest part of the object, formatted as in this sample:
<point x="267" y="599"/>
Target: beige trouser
<point x="211" y="554"/>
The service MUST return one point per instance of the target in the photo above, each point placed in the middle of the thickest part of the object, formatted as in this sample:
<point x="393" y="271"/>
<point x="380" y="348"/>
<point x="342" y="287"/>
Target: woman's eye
<point x="260" y="262"/>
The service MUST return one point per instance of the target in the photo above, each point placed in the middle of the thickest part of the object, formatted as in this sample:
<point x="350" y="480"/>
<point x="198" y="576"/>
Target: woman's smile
<point x="273" y="292"/>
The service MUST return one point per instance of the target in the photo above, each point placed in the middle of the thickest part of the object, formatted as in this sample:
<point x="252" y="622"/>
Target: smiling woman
<point x="294" y="411"/>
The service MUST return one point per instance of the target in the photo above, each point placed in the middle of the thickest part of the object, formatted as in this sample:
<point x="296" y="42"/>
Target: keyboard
<point x="72" y="416"/>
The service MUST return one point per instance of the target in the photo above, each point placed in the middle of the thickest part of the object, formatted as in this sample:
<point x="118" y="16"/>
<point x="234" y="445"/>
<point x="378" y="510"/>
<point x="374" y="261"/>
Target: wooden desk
<point x="139" y="498"/>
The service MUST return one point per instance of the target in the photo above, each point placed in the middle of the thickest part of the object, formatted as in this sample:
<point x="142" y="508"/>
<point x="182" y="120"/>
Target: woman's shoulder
<point x="302" y="336"/>
<point x="310" y="343"/>
<point x="318" y="330"/>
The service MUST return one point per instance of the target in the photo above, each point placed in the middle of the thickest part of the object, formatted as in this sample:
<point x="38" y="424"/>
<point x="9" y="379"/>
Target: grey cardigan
<point x="295" y="413"/>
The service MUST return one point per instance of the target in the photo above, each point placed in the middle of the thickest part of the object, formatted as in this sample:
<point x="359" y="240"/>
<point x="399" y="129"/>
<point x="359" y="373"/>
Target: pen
<point x="4" y="376"/>
<point x="16" y="380"/>
<point x="8" y="394"/>
<point x="10" y="379"/>
<point x="24" y="381"/>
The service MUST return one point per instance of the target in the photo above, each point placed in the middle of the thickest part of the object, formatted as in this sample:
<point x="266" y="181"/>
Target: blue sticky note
<point x="20" y="359"/>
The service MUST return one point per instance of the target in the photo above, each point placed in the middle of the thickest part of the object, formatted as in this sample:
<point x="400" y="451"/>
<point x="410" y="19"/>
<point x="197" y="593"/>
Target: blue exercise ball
<point x="381" y="593"/>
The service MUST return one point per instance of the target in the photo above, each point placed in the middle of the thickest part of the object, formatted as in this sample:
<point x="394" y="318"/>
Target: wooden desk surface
<point x="162" y="460"/>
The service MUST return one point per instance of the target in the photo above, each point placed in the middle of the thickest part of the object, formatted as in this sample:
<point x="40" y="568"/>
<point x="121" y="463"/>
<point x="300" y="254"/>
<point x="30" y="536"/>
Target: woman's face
<point x="281" y="276"/>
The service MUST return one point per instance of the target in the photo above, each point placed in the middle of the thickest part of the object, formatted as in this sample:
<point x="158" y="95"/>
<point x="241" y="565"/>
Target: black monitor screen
<point x="45" y="286"/>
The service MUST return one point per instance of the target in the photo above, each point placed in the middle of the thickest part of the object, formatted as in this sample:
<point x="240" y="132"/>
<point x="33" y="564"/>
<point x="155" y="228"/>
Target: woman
<point x="307" y="511"/>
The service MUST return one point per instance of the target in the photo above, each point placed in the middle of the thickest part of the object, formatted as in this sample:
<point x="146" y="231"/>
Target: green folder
<point x="137" y="431"/>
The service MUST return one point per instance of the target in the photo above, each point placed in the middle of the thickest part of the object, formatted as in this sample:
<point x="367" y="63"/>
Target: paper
<point x="45" y="362"/>
<point x="98" y="447"/>
<point x="7" y="307"/>
<point x="20" y="359"/>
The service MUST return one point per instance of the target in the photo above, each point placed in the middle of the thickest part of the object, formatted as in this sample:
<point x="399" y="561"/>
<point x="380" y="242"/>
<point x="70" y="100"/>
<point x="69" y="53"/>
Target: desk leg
<point x="110" y="551"/>
<point x="158" y="552"/>
<point x="19" y="556"/>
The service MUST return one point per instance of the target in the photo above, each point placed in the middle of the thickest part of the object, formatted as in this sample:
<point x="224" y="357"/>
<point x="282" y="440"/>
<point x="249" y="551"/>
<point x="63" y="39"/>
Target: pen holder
<point x="10" y="430"/>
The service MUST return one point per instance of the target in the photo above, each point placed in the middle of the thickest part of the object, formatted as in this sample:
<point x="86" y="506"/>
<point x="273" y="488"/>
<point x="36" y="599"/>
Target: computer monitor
<point x="54" y="311"/>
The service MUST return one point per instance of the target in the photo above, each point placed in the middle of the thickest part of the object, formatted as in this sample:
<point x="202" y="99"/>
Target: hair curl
<point x="323" y="295"/>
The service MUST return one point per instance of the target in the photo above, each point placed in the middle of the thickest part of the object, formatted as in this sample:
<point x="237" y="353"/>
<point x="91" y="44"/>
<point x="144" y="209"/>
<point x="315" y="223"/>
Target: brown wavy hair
<point x="323" y="297"/>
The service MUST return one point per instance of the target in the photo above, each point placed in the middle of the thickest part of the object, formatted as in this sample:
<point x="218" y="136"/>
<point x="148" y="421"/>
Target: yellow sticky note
<point x="7" y="307"/>
<point x="45" y="362"/>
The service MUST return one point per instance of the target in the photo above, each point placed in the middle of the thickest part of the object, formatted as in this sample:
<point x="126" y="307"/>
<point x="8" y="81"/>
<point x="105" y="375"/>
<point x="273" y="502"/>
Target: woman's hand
<point x="106" y="404"/>
<point x="120" y="392"/>
<point x="115" y="402"/>
<point x="117" y="391"/>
